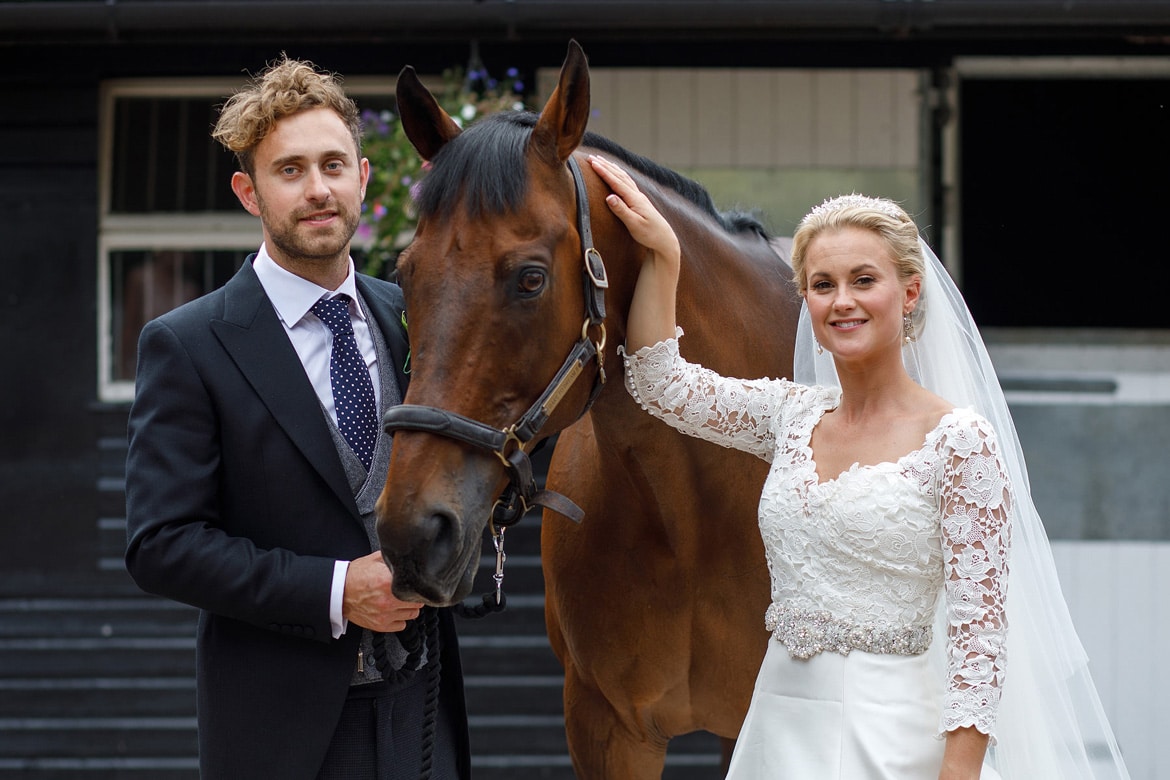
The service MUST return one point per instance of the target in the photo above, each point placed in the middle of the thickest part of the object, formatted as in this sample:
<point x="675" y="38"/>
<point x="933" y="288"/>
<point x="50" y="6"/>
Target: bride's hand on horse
<point x="651" y="318"/>
<point x="367" y="600"/>
<point x="647" y="226"/>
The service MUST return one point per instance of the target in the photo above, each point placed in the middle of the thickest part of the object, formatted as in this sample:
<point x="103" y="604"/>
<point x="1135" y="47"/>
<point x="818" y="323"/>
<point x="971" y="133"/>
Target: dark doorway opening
<point x="1066" y="202"/>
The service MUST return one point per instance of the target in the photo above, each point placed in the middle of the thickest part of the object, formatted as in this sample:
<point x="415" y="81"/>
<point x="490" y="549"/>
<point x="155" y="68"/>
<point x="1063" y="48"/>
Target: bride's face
<point x="855" y="298"/>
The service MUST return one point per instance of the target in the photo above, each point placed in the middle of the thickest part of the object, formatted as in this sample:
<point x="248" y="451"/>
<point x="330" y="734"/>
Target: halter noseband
<point x="508" y="443"/>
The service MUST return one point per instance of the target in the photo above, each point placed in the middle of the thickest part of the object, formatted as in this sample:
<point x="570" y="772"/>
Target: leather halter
<point x="508" y="443"/>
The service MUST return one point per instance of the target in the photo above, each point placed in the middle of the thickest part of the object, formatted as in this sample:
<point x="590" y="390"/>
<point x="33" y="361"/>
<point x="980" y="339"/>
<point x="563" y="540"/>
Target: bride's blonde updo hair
<point x="883" y="217"/>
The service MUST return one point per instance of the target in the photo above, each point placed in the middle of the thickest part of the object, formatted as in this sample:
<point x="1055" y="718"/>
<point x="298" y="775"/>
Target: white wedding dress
<point x="860" y="566"/>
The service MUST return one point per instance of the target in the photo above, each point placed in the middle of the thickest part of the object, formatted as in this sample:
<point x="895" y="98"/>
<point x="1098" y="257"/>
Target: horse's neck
<point x="738" y="307"/>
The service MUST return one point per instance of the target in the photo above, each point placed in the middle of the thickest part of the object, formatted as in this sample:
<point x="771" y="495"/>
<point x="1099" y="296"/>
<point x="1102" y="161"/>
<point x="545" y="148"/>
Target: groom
<point x="253" y="470"/>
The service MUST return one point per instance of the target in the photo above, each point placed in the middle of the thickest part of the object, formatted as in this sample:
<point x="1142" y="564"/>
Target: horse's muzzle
<point x="433" y="559"/>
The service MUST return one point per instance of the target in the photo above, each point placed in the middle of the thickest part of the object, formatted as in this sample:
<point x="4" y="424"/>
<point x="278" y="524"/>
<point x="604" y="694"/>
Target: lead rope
<point x="412" y="640"/>
<point x="431" y="705"/>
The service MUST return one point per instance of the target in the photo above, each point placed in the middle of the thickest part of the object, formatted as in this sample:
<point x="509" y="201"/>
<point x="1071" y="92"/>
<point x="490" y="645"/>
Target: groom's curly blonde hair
<point x="284" y="88"/>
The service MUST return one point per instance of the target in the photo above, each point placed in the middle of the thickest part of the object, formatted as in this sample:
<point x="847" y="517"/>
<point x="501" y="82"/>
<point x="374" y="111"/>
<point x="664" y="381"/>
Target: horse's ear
<point x="427" y="125"/>
<point x="562" y="122"/>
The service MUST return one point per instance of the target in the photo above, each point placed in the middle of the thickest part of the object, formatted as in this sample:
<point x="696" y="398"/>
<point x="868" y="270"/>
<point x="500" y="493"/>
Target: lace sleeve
<point x="735" y="413"/>
<point x="976" y="502"/>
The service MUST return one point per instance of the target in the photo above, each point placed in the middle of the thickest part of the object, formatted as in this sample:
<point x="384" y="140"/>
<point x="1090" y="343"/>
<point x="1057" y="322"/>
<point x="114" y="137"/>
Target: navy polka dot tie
<point x="353" y="392"/>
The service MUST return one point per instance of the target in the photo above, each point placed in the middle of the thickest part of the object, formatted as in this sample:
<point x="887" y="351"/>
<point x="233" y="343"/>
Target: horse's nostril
<point x="439" y="530"/>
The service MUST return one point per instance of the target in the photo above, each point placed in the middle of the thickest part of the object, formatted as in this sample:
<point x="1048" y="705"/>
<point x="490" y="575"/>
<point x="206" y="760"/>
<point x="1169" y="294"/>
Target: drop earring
<point x="908" y="328"/>
<point x="820" y="349"/>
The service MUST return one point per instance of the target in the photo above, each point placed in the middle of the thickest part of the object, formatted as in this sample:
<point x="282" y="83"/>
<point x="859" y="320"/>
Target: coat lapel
<point x="387" y="305"/>
<point x="253" y="336"/>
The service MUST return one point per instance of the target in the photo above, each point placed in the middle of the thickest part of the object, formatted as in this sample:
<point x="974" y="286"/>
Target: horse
<point x="654" y="602"/>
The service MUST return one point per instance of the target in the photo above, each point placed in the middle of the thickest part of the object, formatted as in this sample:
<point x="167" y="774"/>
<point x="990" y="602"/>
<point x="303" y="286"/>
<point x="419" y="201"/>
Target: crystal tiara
<point x="887" y="207"/>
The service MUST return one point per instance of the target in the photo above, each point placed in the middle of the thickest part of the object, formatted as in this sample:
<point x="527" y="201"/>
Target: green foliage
<point x="388" y="213"/>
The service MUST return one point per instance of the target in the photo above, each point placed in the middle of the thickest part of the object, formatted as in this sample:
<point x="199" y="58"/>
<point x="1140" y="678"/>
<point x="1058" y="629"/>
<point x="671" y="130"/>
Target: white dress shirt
<point x="293" y="297"/>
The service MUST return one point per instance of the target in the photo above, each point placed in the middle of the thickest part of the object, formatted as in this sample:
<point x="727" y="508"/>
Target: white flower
<point x="966" y="601"/>
<point x="983" y="482"/>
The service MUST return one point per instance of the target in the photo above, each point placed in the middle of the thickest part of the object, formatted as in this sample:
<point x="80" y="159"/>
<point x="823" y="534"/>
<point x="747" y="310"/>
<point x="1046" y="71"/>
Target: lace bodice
<point x="859" y="562"/>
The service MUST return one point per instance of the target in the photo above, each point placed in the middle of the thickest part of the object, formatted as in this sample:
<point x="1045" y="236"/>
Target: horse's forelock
<point x="485" y="166"/>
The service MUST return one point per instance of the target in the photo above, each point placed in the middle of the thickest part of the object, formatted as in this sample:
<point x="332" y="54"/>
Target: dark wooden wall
<point x="48" y="199"/>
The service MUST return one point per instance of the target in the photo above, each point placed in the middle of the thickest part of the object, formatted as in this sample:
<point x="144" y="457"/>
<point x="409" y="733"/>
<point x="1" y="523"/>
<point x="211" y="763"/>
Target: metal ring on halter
<point x="509" y="436"/>
<point x="599" y="345"/>
<point x="511" y="513"/>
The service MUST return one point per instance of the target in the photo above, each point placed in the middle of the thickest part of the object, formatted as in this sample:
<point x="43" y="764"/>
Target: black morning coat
<point x="238" y="504"/>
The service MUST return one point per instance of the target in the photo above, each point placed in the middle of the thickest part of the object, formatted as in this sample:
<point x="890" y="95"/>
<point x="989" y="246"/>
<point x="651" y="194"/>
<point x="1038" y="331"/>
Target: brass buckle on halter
<point x="595" y="267"/>
<point x="512" y="504"/>
<point x="502" y="452"/>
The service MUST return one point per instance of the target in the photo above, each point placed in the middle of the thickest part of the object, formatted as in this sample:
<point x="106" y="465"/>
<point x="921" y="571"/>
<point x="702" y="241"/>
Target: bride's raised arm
<point x="652" y="317"/>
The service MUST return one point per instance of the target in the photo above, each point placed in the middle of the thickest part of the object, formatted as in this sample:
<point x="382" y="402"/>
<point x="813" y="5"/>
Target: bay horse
<point x="655" y="602"/>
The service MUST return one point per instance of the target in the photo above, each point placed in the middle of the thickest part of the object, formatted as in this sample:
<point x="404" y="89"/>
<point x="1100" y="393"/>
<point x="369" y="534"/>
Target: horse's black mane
<point x="486" y="165"/>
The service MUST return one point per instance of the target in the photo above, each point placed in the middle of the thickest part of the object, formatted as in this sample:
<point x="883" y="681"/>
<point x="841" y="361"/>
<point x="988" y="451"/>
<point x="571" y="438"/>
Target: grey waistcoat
<point x="367" y="486"/>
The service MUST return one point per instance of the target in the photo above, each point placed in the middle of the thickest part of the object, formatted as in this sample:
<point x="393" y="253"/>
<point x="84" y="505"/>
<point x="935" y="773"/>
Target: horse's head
<point x="494" y="294"/>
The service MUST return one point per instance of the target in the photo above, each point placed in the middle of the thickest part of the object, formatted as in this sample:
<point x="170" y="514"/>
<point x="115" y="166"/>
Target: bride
<point x="895" y="516"/>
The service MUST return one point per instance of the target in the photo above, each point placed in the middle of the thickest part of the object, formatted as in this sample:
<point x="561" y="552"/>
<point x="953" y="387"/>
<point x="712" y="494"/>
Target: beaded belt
<point x="806" y="632"/>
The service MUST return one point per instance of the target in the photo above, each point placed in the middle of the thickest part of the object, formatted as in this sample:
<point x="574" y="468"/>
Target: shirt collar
<point x="293" y="296"/>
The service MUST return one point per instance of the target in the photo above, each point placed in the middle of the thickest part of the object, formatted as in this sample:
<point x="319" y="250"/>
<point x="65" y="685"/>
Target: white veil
<point x="1051" y="725"/>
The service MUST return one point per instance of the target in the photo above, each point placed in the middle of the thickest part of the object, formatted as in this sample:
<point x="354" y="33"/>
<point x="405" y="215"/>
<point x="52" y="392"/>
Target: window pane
<point x="148" y="283"/>
<point x="165" y="159"/>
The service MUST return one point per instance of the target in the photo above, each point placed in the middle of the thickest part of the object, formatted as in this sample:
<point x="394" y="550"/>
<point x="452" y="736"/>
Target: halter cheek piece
<point x="508" y="443"/>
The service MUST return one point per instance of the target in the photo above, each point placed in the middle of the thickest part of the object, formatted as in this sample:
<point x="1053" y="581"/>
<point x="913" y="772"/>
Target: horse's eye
<point x="531" y="282"/>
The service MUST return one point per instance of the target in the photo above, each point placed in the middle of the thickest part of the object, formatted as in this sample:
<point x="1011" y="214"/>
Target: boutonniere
<point x="406" y="330"/>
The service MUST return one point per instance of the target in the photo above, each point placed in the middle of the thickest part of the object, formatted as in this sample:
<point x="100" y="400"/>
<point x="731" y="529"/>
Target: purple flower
<point x="374" y="123"/>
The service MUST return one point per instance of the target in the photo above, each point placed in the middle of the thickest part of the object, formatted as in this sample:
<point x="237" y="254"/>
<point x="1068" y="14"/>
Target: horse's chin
<point x="411" y="585"/>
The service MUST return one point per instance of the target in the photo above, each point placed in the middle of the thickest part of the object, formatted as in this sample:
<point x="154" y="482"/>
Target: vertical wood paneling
<point x="874" y="124"/>
<point x="833" y="110"/>
<point x="757" y="118"/>
<point x="634" y="117"/>
<point x="603" y="102"/>
<point x="546" y="82"/>
<point x="714" y="113"/>
<point x="907" y="101"/>
<point x="754" y="120"/>
<point x="792" y="137"/>
<point x="674" y="105"/>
